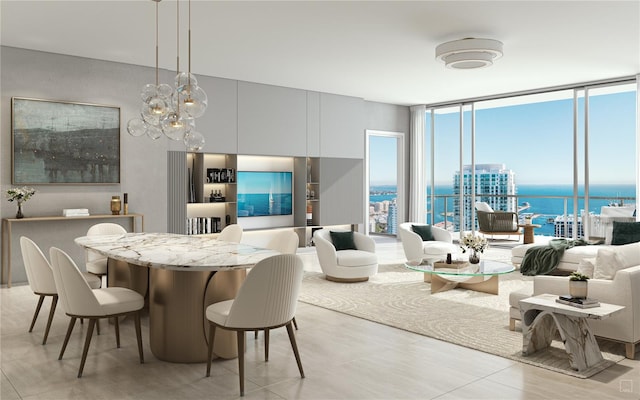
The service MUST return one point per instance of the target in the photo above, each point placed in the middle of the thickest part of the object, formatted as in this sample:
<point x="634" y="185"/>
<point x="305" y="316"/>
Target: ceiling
<point x="377" y="50"/>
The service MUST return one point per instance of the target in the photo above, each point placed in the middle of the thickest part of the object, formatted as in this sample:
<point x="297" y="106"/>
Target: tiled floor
<point x="343" y="357"/>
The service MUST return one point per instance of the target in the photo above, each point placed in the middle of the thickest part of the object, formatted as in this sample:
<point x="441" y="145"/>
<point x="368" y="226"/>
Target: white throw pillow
<point x="608" y="262"/>
<point x="587" y="266"/>
<point x="483" y="206"/>
<point x="629" y="254"/>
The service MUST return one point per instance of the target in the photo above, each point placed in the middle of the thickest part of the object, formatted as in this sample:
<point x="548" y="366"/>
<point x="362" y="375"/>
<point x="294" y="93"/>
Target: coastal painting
<point x="56" y="142"/>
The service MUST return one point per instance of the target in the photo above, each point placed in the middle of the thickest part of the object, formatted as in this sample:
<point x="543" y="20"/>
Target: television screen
<point x="264" y="193"/>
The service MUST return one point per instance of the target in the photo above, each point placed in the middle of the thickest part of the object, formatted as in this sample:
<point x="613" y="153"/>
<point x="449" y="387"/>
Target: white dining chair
<point x="266" y="300"/>
<point x="95" y="262"/>
<point x="231" y="233"/>
<point x="285" y="242"/>
<point x="41" y="282"/>
<point x="80" y="301"/>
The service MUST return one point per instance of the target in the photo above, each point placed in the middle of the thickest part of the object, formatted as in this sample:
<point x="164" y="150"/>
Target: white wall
<point x="41" y="75"/>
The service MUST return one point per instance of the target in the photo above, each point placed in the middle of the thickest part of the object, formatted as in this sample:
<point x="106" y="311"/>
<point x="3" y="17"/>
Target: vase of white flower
<point x="19" y="214"/>
<point x="476" y="244"/>
<point x="20" y="195"/>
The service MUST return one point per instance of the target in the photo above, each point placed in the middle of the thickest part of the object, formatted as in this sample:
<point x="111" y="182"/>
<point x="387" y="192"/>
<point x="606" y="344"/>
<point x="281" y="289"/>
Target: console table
<point x="5" y="272"/>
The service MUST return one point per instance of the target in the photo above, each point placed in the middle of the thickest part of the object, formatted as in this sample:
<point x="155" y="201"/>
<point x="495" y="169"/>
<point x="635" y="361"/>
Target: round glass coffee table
<point x="482" y="277"/>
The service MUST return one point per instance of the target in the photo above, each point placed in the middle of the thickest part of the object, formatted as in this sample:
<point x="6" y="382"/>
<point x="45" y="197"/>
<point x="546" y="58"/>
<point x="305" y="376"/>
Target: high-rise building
<point x="392" y="219"/>
<point x="494" y="183"/>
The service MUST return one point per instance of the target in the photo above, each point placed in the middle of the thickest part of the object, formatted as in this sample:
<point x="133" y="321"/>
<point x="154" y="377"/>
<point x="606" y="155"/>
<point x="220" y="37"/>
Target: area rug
<point x="400" y="298"/>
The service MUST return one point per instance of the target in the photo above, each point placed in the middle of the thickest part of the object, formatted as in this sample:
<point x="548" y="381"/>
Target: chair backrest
<point x="285" y="242"/>
<point x="483" y="206"/>
<point x="102" y="229"/>
<point x="39" y="272"/>
<point x="75" y="295"/>
<point x="269" y="294"/>
<point x="231" y="233"/>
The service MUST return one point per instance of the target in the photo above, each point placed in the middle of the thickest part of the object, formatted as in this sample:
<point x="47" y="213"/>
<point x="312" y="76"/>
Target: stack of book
<point x="580" y="302"/>
<point x="75" y="212"/>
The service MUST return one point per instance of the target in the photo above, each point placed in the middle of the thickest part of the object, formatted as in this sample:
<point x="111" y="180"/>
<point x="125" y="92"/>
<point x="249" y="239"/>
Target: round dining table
<point x="179" y="276"/>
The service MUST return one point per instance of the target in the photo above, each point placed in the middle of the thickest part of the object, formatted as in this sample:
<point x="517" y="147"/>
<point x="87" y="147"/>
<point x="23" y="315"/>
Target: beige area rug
<point x="399" y="298"/>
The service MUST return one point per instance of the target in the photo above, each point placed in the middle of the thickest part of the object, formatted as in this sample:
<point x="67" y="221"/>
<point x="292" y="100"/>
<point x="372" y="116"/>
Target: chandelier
<point x="168" y="111"/>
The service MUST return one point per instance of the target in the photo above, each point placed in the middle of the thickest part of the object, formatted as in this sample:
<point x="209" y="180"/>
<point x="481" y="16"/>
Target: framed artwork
<point x="56" y="142"/>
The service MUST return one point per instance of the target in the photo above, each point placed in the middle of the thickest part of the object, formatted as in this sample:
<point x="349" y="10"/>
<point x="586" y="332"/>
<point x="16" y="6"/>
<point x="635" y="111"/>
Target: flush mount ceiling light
<point x="469" y="53"/>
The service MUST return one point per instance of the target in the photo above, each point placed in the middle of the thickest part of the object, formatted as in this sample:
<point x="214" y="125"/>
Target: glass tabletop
<point x="461" y="268"/>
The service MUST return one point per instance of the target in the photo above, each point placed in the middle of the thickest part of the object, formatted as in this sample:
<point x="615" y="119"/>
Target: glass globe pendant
<point x="193" y="140"/>
<point x="193" y="100"/>
<point x="154" y="132"/>
<point x="136" y="127"/>
<point x="174" y="126"/>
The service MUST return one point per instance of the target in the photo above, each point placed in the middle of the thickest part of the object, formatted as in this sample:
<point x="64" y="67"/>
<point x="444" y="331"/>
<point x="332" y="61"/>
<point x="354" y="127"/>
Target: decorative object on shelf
<point x="469" y="53"/>
<point x="126" y="204"/>
<point x="20" y="195"/>
<point x="477" y="244"/>
<point x="578" y="285"/>
<point x="216" y="196"/>
<point x="169" y="111"/>
<point x="220" y="175"/>
<point x="56" y="142"/>
<point x="309" y="214"/>
<point x="115" y="205"/>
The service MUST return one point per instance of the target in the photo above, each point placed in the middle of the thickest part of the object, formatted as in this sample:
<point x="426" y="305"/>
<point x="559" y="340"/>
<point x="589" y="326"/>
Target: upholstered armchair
<point x="356" y="264"/>
<point x="492" y="222"/>
<point x="415" y="247"/>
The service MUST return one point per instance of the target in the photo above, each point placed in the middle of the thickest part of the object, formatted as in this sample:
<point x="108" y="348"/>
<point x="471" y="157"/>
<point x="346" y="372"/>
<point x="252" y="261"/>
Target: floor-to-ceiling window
<point x="551" y="155"/>
<point x="610" y="127"/>
<point x="443" y="141"/>
<point x="523" y="147"/>
<point x="385" y="154"/>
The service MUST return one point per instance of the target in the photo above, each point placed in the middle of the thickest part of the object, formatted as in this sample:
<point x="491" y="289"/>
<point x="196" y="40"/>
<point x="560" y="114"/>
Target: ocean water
<point x="257" y="205"/>
<point x="543" y="208"/>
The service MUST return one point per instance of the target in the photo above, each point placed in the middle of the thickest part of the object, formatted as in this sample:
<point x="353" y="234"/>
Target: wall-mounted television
<point x="264" y="193"/>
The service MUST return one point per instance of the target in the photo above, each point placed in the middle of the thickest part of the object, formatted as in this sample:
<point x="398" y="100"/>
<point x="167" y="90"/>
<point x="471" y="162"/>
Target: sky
<point x="535" y="140"/>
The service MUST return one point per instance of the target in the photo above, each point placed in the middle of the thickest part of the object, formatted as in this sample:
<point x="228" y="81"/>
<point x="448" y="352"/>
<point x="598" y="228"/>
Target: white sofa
<point x="569" y="261"/>
<point x="623" y="289"/>
<point x="431" y="250"/>
<point x="346" y="265"/>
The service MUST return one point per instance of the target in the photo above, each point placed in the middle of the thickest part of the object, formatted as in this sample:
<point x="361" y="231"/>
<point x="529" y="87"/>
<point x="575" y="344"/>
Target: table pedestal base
<point x="485" y="284"/>
<point x="539" y="328"/>
<point x="178" y="327"/>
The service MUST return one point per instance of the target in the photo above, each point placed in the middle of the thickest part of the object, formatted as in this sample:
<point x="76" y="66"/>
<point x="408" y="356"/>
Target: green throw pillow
<point x="625" y="232"/>
<point x="343" y="240"/>
<point x="424" y="231"/>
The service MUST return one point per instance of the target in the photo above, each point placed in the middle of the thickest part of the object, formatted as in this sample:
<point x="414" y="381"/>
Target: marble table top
<point x="176" y="252"/>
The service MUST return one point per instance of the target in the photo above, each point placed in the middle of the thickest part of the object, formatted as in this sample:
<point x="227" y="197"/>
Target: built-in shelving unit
<point x="307" y="209"/>
<point x="319" y="188"/>
<point x="212" y="192"/>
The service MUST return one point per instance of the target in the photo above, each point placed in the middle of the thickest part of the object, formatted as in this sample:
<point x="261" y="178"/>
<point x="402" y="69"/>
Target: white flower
<point x="20" y="194"/>
<point x="473" y="242"/>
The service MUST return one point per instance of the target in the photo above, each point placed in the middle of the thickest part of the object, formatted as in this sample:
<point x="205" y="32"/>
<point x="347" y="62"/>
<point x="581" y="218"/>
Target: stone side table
<point x="542" y="316"/>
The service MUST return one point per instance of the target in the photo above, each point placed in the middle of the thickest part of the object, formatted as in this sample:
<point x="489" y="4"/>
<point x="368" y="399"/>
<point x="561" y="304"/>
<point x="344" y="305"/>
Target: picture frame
<point x="62" y="142"/>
